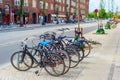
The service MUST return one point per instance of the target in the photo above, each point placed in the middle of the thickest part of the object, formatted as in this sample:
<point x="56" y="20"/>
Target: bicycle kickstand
<point x="38" y="71"/>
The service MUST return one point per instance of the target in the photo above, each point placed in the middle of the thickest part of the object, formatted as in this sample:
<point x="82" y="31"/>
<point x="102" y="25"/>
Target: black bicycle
<point x="24" y="60"/>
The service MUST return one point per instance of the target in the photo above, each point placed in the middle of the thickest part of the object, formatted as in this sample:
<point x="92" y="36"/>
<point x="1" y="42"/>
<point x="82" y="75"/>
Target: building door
<point x="34" y="18"/>
<point x="49" y="18"/>
<point x="7" y="20"/>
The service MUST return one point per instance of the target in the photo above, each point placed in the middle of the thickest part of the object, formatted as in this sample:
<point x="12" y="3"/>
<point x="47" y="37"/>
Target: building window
<point x="34" y="3"/>
<point x="17" y="2"/>
<point x="82" y="11"/>
<point x="63" y="9"/>
<point x="63" y="1"/>
<point x="0" y="1"/>
<point x="57" y="0"/>
<point x="68" y="1"/>
<point x="82" y="6"/>
<point x="83" y="1"/>
<point x="41" y="4"/>
<point x="46" y="5"/>
<point x="51" y="6"/>
<point x="73" y="3"/>
<point x="59" y="8"/>
<point x="25" y="2"/>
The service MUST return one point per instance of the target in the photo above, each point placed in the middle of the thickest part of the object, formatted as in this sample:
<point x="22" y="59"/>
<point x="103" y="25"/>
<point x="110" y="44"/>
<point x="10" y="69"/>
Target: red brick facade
<point x="33" y="14"/>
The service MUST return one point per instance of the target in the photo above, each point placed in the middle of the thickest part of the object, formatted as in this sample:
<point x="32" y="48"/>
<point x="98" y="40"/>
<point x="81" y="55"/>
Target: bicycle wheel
<point x="21" y="63"/>
<point x="74" y="56"/>
<point x="54" y="65"/>
<point x="66" y="59"/>
<point x="58" y="49"/>
<point x="81" y="52"/>
<point x="37" y="55"/>
<point x="87" y="48"/>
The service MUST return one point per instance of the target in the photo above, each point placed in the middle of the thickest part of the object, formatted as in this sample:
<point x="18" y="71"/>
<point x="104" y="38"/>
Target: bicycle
<point x="74" y="55"/>
<point x="53" y="48"/>
<point x="47" y="60"/>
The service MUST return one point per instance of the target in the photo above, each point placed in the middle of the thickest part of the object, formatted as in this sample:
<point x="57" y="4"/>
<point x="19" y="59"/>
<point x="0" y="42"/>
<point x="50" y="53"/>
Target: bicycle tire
<point x="37" y="55"/>
<point x="66" y="58"/>
<point x="53" y="61"/>
<point x="25" y="63"/>
<point x="74" y="56"/>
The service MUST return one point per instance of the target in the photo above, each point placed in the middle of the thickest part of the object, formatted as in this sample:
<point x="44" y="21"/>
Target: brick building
<point x="32" y="10"/>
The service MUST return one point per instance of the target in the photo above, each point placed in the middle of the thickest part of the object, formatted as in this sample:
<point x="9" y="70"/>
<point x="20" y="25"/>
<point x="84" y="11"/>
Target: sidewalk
<point x="27" y="26"/>
<point x="102" y="64"/>
<point x="30" y="26"/>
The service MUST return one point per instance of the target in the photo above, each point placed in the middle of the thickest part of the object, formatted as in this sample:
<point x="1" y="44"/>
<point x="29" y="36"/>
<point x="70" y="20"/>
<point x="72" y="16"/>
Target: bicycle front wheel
<point x="55" y="65"/>
<point x="21" y="61"/>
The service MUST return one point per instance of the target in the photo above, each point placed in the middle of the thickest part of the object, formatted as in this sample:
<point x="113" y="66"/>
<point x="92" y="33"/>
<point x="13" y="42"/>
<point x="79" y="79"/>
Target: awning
<point x="18" y="13"/>
<point x="61" y="16"/>
<point x="54" y="15"/>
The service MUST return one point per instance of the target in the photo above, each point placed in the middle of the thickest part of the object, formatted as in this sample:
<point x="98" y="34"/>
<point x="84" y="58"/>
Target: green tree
<point x="21" y="12"/>
<point x="57" y="11"/>
<point x="67" y="14"/>
<point x="74" y="15"/>
<point x="109" y="14"/>
<point x="119" y="16"/>
<point x="91" y="15"/>
<point x="102" y="13"/>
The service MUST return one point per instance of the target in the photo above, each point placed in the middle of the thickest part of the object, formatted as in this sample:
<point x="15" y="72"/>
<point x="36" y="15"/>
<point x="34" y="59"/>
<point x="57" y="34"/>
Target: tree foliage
<point x="67" y="16"/>
<point x="21" y="7"/>
<point x="102" y="13"/>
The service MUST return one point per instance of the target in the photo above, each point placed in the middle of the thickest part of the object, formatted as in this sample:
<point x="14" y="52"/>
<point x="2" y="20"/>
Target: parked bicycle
<point x="23" y="60"/>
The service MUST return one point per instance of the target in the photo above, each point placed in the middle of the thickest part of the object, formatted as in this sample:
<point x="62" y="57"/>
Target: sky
<point x="94" y="4"/>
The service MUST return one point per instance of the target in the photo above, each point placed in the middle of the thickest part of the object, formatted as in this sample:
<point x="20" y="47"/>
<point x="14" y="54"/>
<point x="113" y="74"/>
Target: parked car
<point x="89" y="20"/>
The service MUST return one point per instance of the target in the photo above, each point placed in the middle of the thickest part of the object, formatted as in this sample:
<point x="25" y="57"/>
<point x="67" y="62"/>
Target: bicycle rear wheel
<point x="21" y="61"/>
<point x="74" y="56"/>
<point x="54" y="65"/>
<point x="66" y="59"/>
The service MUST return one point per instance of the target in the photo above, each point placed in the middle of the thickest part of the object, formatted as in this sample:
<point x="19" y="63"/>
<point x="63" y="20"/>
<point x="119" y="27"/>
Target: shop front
<point x="17" y="17"/>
